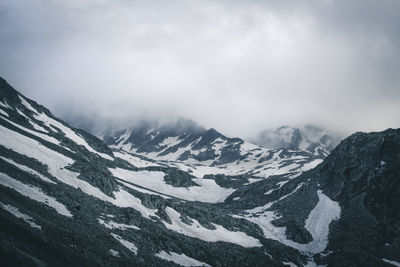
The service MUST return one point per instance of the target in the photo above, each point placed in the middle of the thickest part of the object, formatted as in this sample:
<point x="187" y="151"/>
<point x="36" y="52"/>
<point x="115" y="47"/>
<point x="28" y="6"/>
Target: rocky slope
<point x="309" y="138"/>
<point x="67" y="199"/>
<point x="191" y="148"/>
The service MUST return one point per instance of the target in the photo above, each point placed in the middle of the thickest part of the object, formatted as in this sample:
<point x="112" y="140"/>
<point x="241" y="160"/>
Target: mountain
<point x="191" y="148"/>
<point x="309" y="138"/>
<point x="356" y="188"/>
<point x="67" y="199"/>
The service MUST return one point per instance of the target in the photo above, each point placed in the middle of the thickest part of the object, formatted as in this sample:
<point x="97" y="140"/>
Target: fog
<point x="237" y="66"/>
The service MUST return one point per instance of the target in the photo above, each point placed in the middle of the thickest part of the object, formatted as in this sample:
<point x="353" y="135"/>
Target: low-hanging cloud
<point x="238" y="66"/>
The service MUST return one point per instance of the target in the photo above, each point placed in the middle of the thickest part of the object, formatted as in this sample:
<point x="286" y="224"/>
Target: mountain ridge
<point x="309" y="138"/>
<point x="204" y="152"/>
<point x="64" y="200"/>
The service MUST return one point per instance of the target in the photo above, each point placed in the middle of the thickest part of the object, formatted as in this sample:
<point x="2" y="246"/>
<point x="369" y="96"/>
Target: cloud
<point x="238" y="66"/>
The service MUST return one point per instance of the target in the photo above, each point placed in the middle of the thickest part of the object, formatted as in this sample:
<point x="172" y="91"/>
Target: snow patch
<point x="208" y="191"/>
<point x="180" y="259"/>
<point x="5" y="105"/>
<point x="122" y="139"/>
<point x="15" y="211"/>
<point x="135" y="161"/>
<point x="288" y="263"/>
<point x="27" y="105"/>
<point x="114" y="253"/>
<point x="2" y="112"/>
<point x="319" y="220"/>
<point x="33" y="193"/>
<point x="129" y="245"/>
<point x="317" y="223"/>
<point x="196" y="230"/>
<point x="169" y="142"/>
<point x="247" y="147"/>
<point x="310" y="165"/>
<point x="22" y="114"/>
<point x="28" y="170"/>
<point x="114" y="225"/>
<point x="395" y="263"/>
<point x="269" y="191"/>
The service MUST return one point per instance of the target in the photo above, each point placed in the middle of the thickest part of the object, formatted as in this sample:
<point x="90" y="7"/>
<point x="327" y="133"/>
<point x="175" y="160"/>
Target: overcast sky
<point x="237" y="66"/>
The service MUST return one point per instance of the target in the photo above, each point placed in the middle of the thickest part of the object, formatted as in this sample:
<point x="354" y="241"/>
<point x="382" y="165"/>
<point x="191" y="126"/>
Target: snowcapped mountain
<point x="193" y="149"/>
<point x="309" y="138"/>
<point x="67" y="199"/>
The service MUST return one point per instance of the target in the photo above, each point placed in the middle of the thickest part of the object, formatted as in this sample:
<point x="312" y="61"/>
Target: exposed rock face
<point x="362" y="174"/>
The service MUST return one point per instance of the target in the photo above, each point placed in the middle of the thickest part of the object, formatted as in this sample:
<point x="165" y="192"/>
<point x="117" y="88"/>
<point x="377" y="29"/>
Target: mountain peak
<point x="7" y="92"/>
<point x="309" y="138"/>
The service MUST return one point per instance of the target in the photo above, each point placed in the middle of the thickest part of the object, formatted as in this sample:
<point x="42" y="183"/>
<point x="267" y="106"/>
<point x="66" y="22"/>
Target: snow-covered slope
<point x="201" y="152"/>
<point x="57" y="179"/>
<point x="309" y="138"/>
<point x="67" y="199"/>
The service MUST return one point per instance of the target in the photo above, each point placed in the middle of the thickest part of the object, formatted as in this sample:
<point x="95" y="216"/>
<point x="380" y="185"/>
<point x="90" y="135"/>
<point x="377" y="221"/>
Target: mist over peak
<point x="239" y="67"/>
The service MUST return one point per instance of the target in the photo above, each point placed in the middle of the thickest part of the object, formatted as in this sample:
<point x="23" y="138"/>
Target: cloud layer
<point x="238" y="66"/>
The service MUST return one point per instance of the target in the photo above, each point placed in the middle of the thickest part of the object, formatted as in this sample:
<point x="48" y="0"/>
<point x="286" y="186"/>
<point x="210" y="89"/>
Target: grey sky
<point x="238" y="66"/>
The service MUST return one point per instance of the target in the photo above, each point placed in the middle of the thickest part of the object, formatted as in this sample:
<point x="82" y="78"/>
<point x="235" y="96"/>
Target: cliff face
<point x="363" y="175"/>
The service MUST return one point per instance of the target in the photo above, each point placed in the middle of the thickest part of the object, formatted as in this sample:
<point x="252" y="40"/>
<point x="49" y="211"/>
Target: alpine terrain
<point x="180" y="195"/>
<point x="309" y="138"/>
